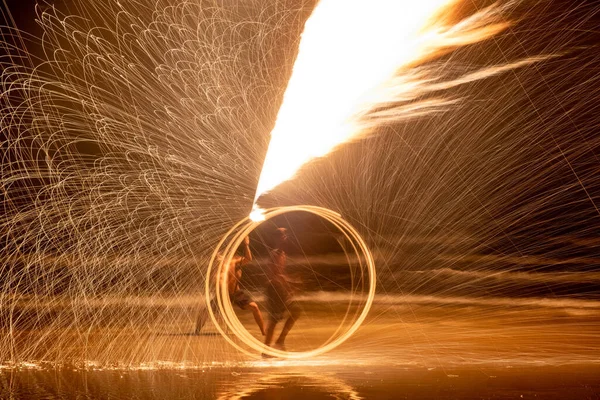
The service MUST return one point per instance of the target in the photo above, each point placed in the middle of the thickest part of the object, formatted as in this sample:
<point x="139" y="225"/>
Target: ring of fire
<point x="227" y="247"/>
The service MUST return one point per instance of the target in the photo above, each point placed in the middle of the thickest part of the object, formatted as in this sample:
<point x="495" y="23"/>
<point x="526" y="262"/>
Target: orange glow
<point x="257" y="214"/>
<point x="348" y="52"/>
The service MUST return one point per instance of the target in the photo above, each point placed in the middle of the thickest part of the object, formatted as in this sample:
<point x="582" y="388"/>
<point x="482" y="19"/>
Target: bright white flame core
<point x="348" y="49"/>
<point x="257" y="214"/>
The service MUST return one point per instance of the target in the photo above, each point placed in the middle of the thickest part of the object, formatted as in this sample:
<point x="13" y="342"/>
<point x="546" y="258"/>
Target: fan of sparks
<point x="134" y="134"/>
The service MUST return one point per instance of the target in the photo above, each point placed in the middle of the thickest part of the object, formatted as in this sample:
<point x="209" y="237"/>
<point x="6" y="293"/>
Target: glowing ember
<point x="257" y="214"/>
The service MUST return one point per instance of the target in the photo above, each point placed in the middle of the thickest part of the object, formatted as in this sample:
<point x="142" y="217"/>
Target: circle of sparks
<point x="233" y="239"/>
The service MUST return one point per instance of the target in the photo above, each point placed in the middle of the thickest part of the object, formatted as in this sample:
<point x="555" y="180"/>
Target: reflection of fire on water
<point x="250" y="385"/>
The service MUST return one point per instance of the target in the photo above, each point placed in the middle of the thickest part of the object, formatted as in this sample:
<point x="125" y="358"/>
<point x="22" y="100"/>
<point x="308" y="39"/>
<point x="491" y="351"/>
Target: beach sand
<point x="409" y="347"/>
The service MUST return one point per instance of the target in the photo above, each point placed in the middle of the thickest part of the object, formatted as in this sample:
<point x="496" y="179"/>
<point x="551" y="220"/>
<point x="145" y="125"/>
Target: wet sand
<point x="413" y="348"/>
<point x="398" y="332"/>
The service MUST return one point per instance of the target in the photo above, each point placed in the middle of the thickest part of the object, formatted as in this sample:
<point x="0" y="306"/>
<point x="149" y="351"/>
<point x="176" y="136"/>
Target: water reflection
<point x="277" y="385"/>
<point x="326" y="382"/>
<point x="185" y="384"/>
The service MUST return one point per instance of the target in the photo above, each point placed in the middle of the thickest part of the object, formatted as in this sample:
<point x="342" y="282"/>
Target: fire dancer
<point x="279" y="294"/>
<point x="239" y="297"/>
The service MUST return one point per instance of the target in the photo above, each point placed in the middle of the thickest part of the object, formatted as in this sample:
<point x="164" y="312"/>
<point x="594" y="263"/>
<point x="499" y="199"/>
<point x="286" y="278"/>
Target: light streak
<point x="233" y="239"/>
<point x="132" y="142"/>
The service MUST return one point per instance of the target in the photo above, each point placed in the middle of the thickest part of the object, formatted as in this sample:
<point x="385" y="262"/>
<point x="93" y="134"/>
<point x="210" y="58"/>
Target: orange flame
<point x="349" y="50"/>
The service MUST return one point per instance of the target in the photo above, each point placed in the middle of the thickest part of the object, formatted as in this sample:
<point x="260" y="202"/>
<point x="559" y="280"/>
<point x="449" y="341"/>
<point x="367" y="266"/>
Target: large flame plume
<point x="349" y="52"/>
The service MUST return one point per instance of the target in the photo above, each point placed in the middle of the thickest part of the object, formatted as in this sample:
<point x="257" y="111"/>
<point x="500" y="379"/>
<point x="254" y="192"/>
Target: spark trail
<point x="133" y="135"/>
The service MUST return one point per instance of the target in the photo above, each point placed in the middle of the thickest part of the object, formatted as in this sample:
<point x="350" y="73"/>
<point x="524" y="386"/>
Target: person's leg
<point x="203" y="316"/>
<point x="269" y="335"/>
<point x="244" y="301"/>
<point x="289" y="324"/>
<point x="201" y="320"/>
<point x="257" y="316"/>
<point x="270" y="331"/>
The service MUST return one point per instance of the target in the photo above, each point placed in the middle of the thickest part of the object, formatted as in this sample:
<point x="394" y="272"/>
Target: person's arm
<point x="247" y="258"/>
